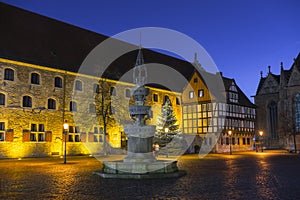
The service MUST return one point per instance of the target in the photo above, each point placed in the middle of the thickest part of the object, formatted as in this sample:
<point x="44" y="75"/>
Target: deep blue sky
<point x="242" y="36"/>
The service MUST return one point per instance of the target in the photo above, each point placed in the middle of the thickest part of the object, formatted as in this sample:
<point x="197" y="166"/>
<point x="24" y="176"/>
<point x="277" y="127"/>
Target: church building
<point x="278" y="107"/>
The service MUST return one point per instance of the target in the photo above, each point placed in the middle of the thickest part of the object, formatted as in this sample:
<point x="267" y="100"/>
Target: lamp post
<point x="261" y="134"/>
<point x="166" y="132"/>
<point x="66" y="128"/>
<point x="230" y="141"/>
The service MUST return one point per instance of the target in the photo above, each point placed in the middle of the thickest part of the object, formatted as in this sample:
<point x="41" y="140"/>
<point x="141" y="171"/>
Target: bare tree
<point x="288" y="127"/>
<point x="110" y="107"/>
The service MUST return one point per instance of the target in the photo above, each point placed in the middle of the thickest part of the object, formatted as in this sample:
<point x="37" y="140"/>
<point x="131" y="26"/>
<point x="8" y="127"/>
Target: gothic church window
<point x="272" y="120"/>
<point x="297" y="112"/>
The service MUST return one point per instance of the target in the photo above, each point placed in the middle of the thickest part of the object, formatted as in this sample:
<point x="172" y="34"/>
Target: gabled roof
<point x="242" y="98"/>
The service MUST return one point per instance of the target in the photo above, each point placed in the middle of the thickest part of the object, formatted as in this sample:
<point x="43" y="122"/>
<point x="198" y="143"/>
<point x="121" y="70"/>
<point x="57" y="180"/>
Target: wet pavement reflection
<point x="267" y="175"/>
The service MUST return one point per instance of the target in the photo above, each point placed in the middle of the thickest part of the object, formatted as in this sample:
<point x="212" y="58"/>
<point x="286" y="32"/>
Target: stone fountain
<point x="140" y="163"/>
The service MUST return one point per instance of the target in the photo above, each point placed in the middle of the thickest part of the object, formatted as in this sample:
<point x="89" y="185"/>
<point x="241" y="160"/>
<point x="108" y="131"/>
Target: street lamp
<point x="166" y="132"/>
<point x="230" y="141"/>
<point x="261" y="134"/>
<point x="66" y="128"/>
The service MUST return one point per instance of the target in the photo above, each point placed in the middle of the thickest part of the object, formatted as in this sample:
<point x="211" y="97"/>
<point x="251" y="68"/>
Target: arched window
<point x="51" y="104"/>
<point x="9" y="74"/>
<point x="35" y="78"/>
<point x="58" y="82"/>
<point x="2" y="99"/>
<point x="272" y="119"/>
<point x="78" y="85"/>
<point x="73" y="106"/>
<point x="27" y="101"/>
<point x="297" y="112"/>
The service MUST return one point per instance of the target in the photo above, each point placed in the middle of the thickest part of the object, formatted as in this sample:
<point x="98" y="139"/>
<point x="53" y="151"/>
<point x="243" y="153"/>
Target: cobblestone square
<point x="250" y="175"/>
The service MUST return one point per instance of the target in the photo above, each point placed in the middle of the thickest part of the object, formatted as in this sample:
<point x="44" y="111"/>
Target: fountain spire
<point x="139" y="70"/>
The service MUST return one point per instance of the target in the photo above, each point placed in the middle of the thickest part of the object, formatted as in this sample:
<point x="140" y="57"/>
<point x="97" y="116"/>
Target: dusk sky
<point x="243" y="37"/>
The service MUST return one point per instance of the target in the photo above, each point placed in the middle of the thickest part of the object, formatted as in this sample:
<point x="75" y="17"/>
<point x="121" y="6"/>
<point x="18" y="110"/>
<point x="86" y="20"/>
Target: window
<point x="297" y="112"/>
<point x="2" y="131"/>
<point x="195" y="80"/>
<point x="191" y="94"/>
<point x="9" y="74"/>
<point x="92" y="108"/>
<point x="35" y="78"/>
<point x="37" y="133"/>
<point x="51" y="104"/>
<point x="166" y="98"/>
<point x="2" y="99"/>
<point x="272" y="116"/>
<point x="27" y="101"/>
<point x="200" y="93"/>
<point x="113" y="91"/>
<point x="58" y="82"/>
<point x="233" y="93"/>
<point x="127" y="93"/>
<point x="155" y="97"/>
<point x="78" y="85"/>
<point x="96" y="88"/>
<point x="73" y="106"/>
<point x="177" y="101"/>
<point x="74" y="134"/>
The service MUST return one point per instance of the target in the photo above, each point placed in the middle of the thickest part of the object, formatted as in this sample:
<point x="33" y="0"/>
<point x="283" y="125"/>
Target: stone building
<point x="41" y="88"/>
<point x="278" y="107"/>
<point x="211" y="116"/>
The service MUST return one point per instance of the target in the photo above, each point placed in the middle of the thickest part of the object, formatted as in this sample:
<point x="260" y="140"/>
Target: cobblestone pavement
<point x="268" y="175"/>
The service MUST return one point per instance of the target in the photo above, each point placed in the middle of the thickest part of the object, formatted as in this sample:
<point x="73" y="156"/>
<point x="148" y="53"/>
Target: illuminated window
<point x="73" y="106"/>
<point x="78" y="85"/>
<point x="200" y="93"/>
<point x="37" y="133"/>
<point x="35" y="78"/>
<point x="27" y="101"/>
<point x="51" y="104"/>
<point x="2" y="99"/>
<point x="58" y="82"/>
<point x="127" y="93"/>
<point x="9" y="74"/>
<point x="191" y="94"/>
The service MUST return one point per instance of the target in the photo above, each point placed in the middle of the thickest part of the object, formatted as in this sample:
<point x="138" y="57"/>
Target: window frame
<point x="9" y="74"/>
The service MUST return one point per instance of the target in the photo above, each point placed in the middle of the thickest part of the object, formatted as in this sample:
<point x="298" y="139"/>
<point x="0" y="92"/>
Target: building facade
<point x="212" y="118"/>
<point x="35" y="101"/>
<point x="277" y="100"/>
